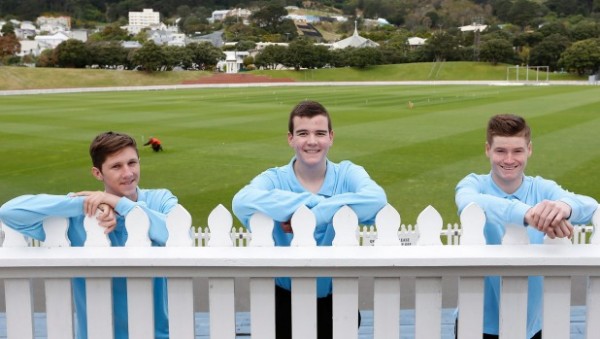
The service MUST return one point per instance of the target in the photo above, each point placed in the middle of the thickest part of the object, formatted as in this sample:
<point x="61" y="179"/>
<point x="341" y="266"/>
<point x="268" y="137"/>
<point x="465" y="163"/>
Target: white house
<point x="234" y="61"/>
<point x="475" y="27"/>
<point x="54" y="24"/>
<point x="415" y="41"/>
<point x="29" y="47"/>
<point x="141" y="20"/>
<point x="51" y="41"/>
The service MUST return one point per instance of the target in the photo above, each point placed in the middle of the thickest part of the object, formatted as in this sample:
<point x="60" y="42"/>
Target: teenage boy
<point x="509" y="197"/>
<point x="309" y="179"/>
<point x="116" y="163"/>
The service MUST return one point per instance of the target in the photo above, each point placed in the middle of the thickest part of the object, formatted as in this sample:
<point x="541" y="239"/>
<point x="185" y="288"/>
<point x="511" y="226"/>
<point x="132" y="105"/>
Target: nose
<point x="312" y="139"/>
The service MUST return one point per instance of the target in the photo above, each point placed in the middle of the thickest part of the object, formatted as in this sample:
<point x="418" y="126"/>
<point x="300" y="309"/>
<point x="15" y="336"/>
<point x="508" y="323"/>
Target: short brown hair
<point x="105" y="144"/>
<point x="507" y="125"/>
<point x="308" y="109"/>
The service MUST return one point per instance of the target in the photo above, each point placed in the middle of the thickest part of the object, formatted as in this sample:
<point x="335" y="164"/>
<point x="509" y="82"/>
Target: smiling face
<point x="311" y="140"/>
<point x="508" y="158"/>
<point x="120" y="173"/>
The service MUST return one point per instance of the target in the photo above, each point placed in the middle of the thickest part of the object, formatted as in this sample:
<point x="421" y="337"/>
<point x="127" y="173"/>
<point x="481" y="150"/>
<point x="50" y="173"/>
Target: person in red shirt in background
<point x="156" y="146"/>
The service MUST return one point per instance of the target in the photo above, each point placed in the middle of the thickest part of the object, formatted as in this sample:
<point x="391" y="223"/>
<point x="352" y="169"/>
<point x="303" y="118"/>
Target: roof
<point x="355" y="41"/>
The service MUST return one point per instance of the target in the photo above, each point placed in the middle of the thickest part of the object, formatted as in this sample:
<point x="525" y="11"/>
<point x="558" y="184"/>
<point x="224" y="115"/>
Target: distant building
<point x="140" y="20"/>
<point x="53" y="25"/>
<point x="234" y="61"/>
<point x="475" y="27"/>
<point x="415" y="42"/>
<point x="354" y="41"/>
<point x="240" y="13"/>
<point x="51" y="41"/>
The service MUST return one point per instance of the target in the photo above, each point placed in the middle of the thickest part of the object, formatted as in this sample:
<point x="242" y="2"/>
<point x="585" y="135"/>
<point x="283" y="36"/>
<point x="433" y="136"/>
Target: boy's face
<point x="311" y="139"/>
<point x="120" y="173"/>
<point x="508" y="158"/>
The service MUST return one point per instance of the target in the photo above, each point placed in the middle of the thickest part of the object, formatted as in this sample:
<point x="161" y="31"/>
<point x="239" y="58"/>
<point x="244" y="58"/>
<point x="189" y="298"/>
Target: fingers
<point x="286" y="226"/>
<point x="106" y="218"/>
<point x="548" y="213"/>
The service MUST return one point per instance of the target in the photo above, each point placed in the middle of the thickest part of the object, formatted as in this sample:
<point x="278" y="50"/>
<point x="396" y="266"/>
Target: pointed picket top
<point x="388" y="223"/>
<point x="179" y="226"/>
<point x="56" y="232"/>
<point x="345" y="225"/>
<point x="95" y="236"/>
<point x="595" y="240"/>
<point x="472" y="220"/>
<point x="220" y="222"/>
<point x="13" y="238"/>
<point x="429" y="225"/>
<point x="557" y="241"/>
<point x="137" y="224"/>
<point x="515" y="235"/>
<point x="303" y="225"/>
<point x="262" y="230"/>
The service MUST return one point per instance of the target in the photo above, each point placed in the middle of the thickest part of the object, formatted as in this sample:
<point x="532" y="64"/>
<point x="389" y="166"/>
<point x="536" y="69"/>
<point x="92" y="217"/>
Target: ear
<point x="331" y="137"/>
<point x="97" y="173"/>
<point x="487" y="149"/>
<point x="529" y="149"/>
<point x="290" y="136"/>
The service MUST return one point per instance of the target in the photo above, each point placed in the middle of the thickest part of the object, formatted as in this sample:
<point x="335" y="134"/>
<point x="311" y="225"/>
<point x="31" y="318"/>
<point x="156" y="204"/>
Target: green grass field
<point x="217" y="140"/>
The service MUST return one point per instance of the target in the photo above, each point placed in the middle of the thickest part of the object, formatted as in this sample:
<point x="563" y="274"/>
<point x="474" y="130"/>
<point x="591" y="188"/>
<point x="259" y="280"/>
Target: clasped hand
<point x="551" y="217"/>
<point x="105" y="204"/>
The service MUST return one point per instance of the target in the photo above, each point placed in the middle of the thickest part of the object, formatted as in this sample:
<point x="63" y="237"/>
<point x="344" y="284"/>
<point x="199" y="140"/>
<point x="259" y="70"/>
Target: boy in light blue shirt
<point x="509" y="197"/>
<point x="309" y="179"/>
<point x="116" y="163"/>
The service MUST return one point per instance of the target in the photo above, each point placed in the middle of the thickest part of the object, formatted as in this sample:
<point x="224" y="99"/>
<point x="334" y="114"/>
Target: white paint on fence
<point x="385" y="264"/>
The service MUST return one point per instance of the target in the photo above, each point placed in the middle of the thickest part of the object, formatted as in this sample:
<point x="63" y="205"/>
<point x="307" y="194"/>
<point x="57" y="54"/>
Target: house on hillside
<point x="474" y="27"/>
<point x="51" y="41"/>
<point x="415" y="42"/>
<point x="355" y="41"/>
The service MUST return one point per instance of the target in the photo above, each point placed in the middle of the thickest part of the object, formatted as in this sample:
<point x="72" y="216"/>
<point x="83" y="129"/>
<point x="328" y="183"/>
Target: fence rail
<point x="384" y="259"/>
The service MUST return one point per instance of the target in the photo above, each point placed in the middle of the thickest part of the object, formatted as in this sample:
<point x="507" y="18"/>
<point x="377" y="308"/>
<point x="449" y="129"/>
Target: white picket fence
<point x="386" y="261"/>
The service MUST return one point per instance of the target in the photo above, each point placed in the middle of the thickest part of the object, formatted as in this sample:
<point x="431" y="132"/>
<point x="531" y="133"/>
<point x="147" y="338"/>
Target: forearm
<point x="27" y="213"/>
<point x="366" y="203"/>
<point x="277" y="204"/>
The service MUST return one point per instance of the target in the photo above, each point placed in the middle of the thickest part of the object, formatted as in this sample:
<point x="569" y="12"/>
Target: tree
<point x="9" y="45"/>
<point x="107" y="53"/>
<point x="149" y="57"/>
<point x="269" y="17"/>
<point x="364" y="57"/>
<point x="547" y="52"/>
<point x="110" y="33"/>
<point x="71" y="53"/>
<point x="176" y="56"/>
<point x="441" y="46"/>
<point x="205" y="55"/>
<point x="583" y="56"/>
<point x="271" y="56"/>
<point x="523" y="12"/>
<point x="497" y="50"/>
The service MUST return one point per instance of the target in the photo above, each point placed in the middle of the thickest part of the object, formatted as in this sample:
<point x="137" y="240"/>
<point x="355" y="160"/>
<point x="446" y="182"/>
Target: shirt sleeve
<point x="26" y="213"/>
<point x="582" y="207"/>
<point x="157" y="204"/>
<point x="506" y="211"/>
<point x="262" y="195"/>
<point x="362" y="194"/>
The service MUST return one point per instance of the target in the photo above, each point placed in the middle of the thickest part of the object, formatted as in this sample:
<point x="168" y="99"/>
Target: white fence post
<point x="345" y="290"/>
<point x="428" y="298"/>
<point x="221" y="290"/>
<point x="470" y="289"/>
<point x="386" y="294"/>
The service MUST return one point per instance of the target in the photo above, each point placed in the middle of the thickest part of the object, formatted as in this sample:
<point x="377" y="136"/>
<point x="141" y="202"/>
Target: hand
<point x="564" y="229"/>
<point x="106" y="218"/>
<point x="286" y="226"/>
<point x="95" y="198"/>
<point x="547" y="213"/>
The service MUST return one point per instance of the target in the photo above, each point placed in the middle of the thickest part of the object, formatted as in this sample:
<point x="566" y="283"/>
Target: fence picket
<point x="219" y="223"/>
<point x="429" y="227"/>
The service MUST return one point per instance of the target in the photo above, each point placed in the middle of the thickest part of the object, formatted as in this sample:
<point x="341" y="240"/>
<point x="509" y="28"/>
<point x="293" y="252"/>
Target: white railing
<point x="387" y="262"/>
